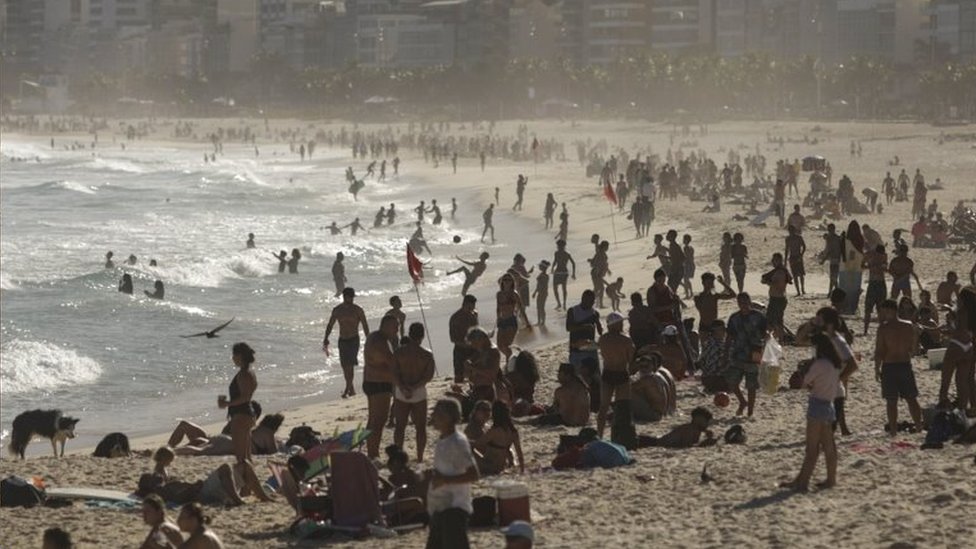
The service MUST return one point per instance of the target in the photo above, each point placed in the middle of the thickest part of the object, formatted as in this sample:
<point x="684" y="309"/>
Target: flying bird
<point x="705" y="477"/>
<point x="212" y="333"/>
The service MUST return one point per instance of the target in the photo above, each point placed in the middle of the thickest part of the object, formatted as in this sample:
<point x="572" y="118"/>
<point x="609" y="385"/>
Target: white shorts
<point x="419" y="395"/>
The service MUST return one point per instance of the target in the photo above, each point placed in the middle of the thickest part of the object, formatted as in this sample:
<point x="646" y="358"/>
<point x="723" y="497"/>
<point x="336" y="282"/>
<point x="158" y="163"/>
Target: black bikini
<point x="235" y="393"/>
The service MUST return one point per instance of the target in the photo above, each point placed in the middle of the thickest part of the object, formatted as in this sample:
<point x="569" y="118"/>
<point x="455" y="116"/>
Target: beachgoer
<point x="471" y="275"/>
<point x="822" y="379"/>
<point x="747" y="331"/>
<point x="296" y="256"/>
<point x="125" y="285"/>
<point x="159" y="291"/>
<point x="561" y="273"/>
<point x="706" y="302"/>
<point x="570" y="401"/>
<point x="250" y="240"/>
<point x="378" y="378"/>
<point x="833" y="254"/>
<point x="689" y="270"/>
<point x="738" y="252"/>
<point x="894" y="347"/>
<point x="461" y="321"/>
<point x="109" y="264"/>
<point x="193" y="521"/>
<point x="520" y="185"/>
<point x="725" y="256"/>
<point x="478" y="420"/>
<point x="486" y="217"/>
<point x="541" y="292"/>
<point x="688" y="434"/>
<point x="617" y="351"/>
<point x="876" y="261"/>
<point x="796" y="247"/>
<point x="449" y="497"/>
<point x="240" y="410"/>
<point x="349" y="316"/>
<point x="413" y="368"/>
<point x="163" y="534"/>
<point x="483" y="365"/>
<point x="902" y="270"/>
<point x="338" y="274"/>
<point x="492" y="451"/>
<point x="778" y="280"/>
<point x="396" y="310"/>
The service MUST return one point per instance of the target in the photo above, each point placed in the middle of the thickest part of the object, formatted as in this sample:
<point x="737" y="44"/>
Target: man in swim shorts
<point x="413" y="368"/>
<point x="618" y="352"/>
<point x="795" y="248"/>
<point x="876" y="262"/>
<point x="560" y="272"/>
<point x="894" y="347"/>
<point x="349" y="316"/>
<point x="745" y="337"/>
<point x="461" y="321"/>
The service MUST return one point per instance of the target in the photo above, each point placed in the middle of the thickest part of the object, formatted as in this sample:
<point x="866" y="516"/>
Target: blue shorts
<point x="821" y="410"/>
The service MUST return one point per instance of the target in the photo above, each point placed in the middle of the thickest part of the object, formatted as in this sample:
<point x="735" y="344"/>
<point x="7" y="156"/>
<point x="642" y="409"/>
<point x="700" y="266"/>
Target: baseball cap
<point x="614" y="318"/>
<point x="519" y="529"/>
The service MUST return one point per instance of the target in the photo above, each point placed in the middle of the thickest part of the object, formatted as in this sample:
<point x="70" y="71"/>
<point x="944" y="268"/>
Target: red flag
<point x="414" y="266"/>
<point x="608" y="192"/>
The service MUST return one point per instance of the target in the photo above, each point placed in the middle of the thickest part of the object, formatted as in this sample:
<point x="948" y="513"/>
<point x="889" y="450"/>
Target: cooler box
<point x="936" y="358"/>
<point x="513" y="502"/>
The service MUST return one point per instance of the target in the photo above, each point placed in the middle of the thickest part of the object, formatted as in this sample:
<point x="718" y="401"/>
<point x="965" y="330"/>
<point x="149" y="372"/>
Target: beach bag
<point x="769" y="367"/>
<point x="601" y="453"/>
<point x="945" y="425"/>
<point x="736" y="434"/>
<point x="19" y="492"/>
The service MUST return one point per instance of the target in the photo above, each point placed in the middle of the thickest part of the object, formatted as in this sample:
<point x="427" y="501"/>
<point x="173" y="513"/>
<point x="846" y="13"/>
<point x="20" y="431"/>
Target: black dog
<point x="49" y="424"/>
<point x="112" y="446"/>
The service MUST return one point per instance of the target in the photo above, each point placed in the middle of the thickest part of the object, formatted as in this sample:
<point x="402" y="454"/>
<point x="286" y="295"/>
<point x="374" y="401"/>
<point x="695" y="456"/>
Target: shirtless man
<point x="725" y="256"/>
<point x="676" y="256"/>
<point x="895" y="345"/>
<point x="661" y="253"/>
<point x="349" y="316"/>
<point x="339" y="274"/>
<point x="618" y="352"/>
<point x="571" y="399"/>
<point x="413" y="368"/>
<point x="163" y="534"/>
<point x="795" y="248"/>
<point x="876" y="261"/>
<point x="378" y="380"/>
<point x="707" y="301"/>
<point x="471" y="275"/>
<point x="487" y="217"/>
<point x="947" y="289"/>
<point x="599" y="267"/>
<point x="739" y="253"/>
<point x="461" y="321"/>
<point x="778" y="280"/>
<point x="508" y="309"/>
<point x="483" y="366"/>
<point x="902" y="270"/>
<point x="560" y="272"/>
<point x="796" y="220"/>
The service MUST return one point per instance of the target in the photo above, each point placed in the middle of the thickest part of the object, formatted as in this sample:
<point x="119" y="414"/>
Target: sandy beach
<point x="890" y="493"/>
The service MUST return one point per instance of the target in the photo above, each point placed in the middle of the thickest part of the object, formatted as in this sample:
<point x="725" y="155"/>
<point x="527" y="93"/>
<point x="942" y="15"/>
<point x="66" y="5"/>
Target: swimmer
<point x="282" y="258"/>
<point x="158" y="291"/>
<point x="354" y="227"/>
<point x="132" y="259"/>
<point x="338" y="274"/>
<point x="250" y="242"/>
<point x="487" y="216"/>
<point x="334" y="229"/>
<point x="125" y="285"/>
<point x="109" y="264"/>
<point x="296" y="256"/>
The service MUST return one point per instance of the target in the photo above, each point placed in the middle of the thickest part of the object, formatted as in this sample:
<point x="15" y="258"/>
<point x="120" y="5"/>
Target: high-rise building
<point x="239" y="20"/>
<point x="950" y="31"/>
<point x="616" y="29"/>
<point x="678" y="25"/>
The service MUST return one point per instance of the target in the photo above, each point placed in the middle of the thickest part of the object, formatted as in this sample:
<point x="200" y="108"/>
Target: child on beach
<point x="822" y="379"/>
<point x="541" y="292"/>
<point x="687" y="435"/>
<point x="449" y="496"/>
<point x="614" y="291"/>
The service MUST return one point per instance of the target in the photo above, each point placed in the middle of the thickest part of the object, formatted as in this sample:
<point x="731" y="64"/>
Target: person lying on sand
<point x="263" y="441"/>
<point x="689" y="434"/>
<point x="226" y="485"/>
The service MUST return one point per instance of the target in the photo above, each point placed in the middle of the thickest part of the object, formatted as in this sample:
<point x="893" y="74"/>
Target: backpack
<point x="303" y="436"/>
<point x="18" y="492"/>
<point x="601" y="453"/>
<point x="945" y="425"/>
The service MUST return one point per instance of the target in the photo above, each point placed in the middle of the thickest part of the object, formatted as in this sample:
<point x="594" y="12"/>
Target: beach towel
<point x="604" y="454"/>
<point x="354" y="486"/>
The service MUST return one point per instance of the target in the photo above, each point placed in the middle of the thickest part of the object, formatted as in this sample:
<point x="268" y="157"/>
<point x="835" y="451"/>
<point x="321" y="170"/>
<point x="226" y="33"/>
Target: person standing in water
<point x="296" y="256"/>
<point x="380" y="216"/>
<point x="349" y="316"/>
<point x="436" y="210"/>
<point x="471" y="275"/>
<point x="125" y="285"/>
<point x="549" y="211"/>
<point x="354" y="227"/>
<point x="338" y="273"/>
<point x="487" y="217"/>
<point x="250" y="240"/>
<point x="391" y="214"/>
<point x="158" y="290"/>
<point x="541" y="292"/>
<point x="109" y="264"/>
<point x="520" y="191"/>
<point x="282" y="258"/>
<point x="453" y="208"/>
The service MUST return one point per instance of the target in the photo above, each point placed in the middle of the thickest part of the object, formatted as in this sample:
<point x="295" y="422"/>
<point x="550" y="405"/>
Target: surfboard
<point x="79" y="492"/>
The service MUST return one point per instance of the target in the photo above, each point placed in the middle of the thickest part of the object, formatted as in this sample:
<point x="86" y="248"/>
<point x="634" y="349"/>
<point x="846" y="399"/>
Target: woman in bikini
<point x="493" y="450"/>
<point x="508" y="309"/>
<point x="193" y="520"/>
<point x="240" y="409"/>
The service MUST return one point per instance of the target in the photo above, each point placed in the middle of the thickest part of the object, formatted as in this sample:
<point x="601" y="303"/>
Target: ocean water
<point x="69" y="340"/>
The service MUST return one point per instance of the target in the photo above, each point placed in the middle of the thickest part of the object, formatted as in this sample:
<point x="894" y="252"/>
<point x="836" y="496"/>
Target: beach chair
<point x="318" y="456"/>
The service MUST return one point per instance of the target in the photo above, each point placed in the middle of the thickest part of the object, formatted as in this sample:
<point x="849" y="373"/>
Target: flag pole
<point x="416" y="270"/>
<point x="423" y="318"/>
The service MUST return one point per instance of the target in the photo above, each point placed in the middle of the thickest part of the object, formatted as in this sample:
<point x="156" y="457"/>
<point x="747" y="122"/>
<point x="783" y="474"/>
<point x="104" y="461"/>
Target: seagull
<point x="212" y="333"/>
<point x="705" y="477"/>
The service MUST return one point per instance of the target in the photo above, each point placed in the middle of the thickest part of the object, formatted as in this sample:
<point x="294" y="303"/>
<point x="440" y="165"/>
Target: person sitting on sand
<point x="471" y="275"/>
<point x="158" y="290"/>
<point x="688" y="434"/>
<point x="403" y="480"/>
<point x="193" y="521"/>
<point x="570" y="401"/>
<point x="163" y="534"/>
<point x="56" y="538"/>
<point x="478" y="421"/>
<point x="651" y="397"/>
<point x="672" y="352"/>
<point x="263" y="441"/>
<point x="948" y="289"/>
<point x="823" y="381"/>
<point x="713" y="360"/>
<point x="492" y="451"/>
<point x="523" y="377"/>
